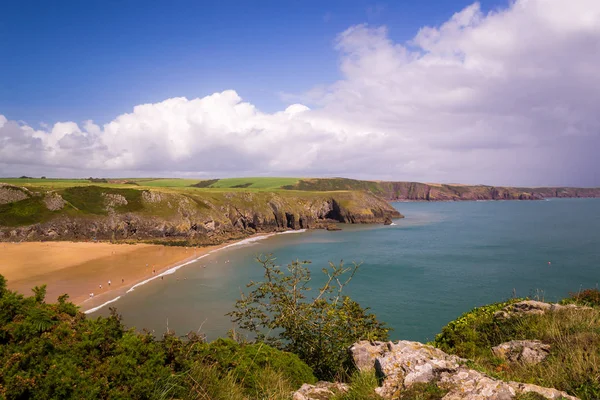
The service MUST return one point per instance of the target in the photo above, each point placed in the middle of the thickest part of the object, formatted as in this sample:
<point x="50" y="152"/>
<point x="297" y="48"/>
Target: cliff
<point x="175" y="215"/>
<point x="442" y="192"/>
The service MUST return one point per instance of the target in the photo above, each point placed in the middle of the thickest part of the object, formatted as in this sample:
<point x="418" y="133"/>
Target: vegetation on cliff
<point x="573" y="336"/>
<point x="119" y="211"/>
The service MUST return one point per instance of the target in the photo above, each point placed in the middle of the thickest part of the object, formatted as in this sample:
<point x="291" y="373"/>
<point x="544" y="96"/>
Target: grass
<point x="254" y="183"/>
<point x="90" y="199"/>
<point x="362" y="387"/>
<point x="166" y="182"/>
<point x="25" y="212"/>
<point x="573" y="365"/>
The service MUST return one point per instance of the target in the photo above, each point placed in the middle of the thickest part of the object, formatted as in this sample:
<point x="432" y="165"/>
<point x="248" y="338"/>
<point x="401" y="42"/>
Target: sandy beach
<point x="79" y="269"/>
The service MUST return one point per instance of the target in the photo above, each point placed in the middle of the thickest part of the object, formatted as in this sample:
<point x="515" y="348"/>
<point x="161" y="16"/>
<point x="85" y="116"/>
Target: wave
<point x="91" y="310"/>
<point x="172" y="270"/>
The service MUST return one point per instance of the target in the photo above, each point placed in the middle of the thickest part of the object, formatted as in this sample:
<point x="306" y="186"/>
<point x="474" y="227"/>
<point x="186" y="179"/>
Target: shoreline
<point x="83" y="270"/>
<point x="171" y="269"/>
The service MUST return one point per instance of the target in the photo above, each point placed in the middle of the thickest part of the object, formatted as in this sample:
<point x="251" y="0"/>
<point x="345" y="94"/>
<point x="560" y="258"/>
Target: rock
<point x="10" y="194"/>
<point x="151" y="197"/>
<point x="402" y="364"/>
<point x="113" y="200"/>
<point x="364" y="353"/>
<point x="533" y="307"/>
<point x="387" y="221"/>
<point x="523" y="351"/>
<point x="319" y="391"/>
<point x="54" y="201"/>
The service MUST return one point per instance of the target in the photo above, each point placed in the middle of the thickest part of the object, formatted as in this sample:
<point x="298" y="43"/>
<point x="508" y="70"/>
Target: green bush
<point x="52" y="351"/>
<point x="475" y="332"/>
<point x="319" y="328"/>
<point x="586" y="297"/>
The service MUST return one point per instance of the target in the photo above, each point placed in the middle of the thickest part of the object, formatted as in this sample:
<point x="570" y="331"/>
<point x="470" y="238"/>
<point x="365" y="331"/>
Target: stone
<point x="523" y="351"/>
<point x="11" y="194"/>
<point x="319" y="391"/>
<point x="54" y="201"/>
<point x="387" y="221"/>
<point x="400" y="365"/>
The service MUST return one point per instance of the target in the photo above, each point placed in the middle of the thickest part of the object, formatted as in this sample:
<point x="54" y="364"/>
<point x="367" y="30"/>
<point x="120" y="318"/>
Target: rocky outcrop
<point x="522" y="351"/>
<point x="402" y="364"/>
<point x="53" y="201"/>
<point x="11" y="194"/>
<point x="194" y="217"/>
<point x="319" y="391"/>
<point x="532" y="307"/>
<point x="416" y="191"/>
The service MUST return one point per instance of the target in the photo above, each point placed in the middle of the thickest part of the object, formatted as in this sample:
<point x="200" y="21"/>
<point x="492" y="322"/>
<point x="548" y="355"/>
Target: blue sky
<point x="79" y="60"/>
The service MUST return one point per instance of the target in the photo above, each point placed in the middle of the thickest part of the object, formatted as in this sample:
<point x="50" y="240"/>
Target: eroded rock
<point x="523" y="351"/>
<point x="10" y="194"/>
<point x="319" y="391"/>
<point x="400" y="365"/>
<point x="54" y="201"/>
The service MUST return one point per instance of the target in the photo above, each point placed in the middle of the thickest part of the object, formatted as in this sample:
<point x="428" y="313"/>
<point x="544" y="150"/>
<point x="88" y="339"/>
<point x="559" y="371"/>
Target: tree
<point x="319" y="329"/>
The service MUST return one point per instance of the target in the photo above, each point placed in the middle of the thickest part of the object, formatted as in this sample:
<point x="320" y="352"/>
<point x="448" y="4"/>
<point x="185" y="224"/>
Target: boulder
<point x="533" y="307"/>
<point x="319" y="391"/>
<point x="523" y="351"/>
<point x="400" y="365"/>
<point x="54" y="201"/>
<point x="387" y="221"/>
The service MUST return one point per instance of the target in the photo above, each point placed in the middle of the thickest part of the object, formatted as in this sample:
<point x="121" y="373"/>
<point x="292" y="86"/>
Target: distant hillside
<point x="177" y="215"/>
<point x="440" y="192"/>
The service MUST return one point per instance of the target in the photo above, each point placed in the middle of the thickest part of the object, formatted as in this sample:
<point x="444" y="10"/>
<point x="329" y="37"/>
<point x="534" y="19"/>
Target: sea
<point x="441" y="260"/>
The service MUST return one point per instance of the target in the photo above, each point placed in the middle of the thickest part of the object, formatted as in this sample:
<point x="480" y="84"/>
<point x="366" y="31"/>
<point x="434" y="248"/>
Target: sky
<point x="491" y="92"/>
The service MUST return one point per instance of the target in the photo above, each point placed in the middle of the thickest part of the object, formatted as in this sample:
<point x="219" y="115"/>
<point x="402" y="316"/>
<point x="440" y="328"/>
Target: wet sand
<point x="79" y="269"/>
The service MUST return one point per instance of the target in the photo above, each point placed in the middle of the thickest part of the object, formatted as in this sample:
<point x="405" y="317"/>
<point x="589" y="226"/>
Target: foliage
<point x="423" y="391"/>
<point x="318" y="329"/>
<point x="362" y="387"/>
<point x="52" y="351"/>
<point x="573" y="365"/>
<point x="473" y="332"/>
<point x="586" y="297"/>
<point x="25" y="212"/>
<point x="91" y="200"/>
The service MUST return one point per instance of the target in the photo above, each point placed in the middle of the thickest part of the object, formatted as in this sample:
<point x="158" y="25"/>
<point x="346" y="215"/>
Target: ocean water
<point x="443" y="259"/>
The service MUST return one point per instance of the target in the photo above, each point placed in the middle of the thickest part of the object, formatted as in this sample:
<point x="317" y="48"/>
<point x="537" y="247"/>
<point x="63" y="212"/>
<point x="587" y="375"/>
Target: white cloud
<point x="508" y="97"/>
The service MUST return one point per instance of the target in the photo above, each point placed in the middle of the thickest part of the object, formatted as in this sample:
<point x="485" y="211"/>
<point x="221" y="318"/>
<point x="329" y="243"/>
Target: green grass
<point x="573" y="365"/>
<point x="255" y="183"/>
<point x="166" y="182"/>
<point x="89" y="199"/>
<point x="25" y="212"/>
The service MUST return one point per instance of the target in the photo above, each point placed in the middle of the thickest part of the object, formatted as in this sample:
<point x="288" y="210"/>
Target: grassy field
<point x="166" y="182"/>
<point x="254" y="183"/>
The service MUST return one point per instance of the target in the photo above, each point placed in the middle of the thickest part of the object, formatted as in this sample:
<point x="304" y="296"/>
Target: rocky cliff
<point x="190" y="215"/>
<point x="442" y="192"/>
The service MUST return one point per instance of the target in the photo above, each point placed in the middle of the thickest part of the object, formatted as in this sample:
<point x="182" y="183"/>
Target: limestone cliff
<point x="190" y="215"/>
<point x="443" y="192"/>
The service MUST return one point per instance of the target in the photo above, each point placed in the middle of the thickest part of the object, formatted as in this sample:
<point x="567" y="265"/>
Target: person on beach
<point x="100" y="286"/>
<point x="122" y="280"/>
<point x="109" y="282"/>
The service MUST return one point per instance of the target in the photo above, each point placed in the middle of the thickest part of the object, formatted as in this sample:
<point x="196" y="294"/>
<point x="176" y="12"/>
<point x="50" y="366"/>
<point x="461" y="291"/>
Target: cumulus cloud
<point x="507" y="97"/>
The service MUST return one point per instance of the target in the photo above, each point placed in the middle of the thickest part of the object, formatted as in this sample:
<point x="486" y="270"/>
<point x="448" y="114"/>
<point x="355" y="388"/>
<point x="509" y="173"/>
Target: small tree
<point x="319" y="329"/>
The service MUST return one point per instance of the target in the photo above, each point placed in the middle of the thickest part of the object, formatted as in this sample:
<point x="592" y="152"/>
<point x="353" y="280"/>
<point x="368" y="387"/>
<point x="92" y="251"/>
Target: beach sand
<point x="79" y="268"/>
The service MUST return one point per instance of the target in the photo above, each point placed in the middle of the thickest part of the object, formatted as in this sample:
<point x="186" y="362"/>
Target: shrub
<point x="587" y="297"/>
<point x="318" y="329"/>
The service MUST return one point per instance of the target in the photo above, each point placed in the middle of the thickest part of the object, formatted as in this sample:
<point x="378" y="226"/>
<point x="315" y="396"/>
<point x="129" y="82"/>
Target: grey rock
<point x="400" y="365"/>
<point x="523" y="351"/>
<point x="54" y="201"/>
<point x="319" y="391"/>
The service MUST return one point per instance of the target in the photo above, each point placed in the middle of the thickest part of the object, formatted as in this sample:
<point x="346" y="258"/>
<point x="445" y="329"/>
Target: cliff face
<point x="441" y="192"/>
<point x="194" y="216"/>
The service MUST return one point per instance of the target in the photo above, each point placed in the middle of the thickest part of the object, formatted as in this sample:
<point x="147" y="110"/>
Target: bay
<point x="423" y="271"/>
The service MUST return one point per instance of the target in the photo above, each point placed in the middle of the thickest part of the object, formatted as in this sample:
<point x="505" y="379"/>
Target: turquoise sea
<point x="441" y="260"/>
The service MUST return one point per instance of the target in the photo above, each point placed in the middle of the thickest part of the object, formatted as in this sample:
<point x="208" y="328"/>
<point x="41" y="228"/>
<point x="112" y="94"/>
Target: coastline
<point x="79" y="268"/>
<point x="171" y="269"/>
